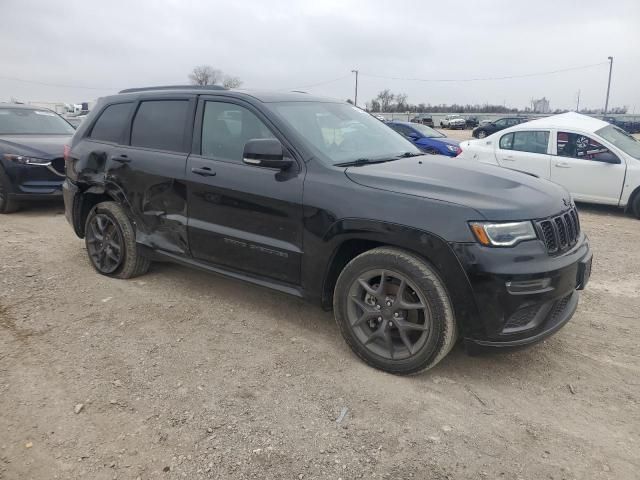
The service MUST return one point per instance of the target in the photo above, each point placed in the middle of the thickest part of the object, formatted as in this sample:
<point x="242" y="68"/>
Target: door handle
<point x="509" y="158"/>
<point x="121" y="159"/>
<point x="204" y="171"/>
<point x="563" y="165"/>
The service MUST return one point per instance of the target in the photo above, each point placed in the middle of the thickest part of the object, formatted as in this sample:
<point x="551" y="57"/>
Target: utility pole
<point x="355" y="100"/>
<point x="606" y="105"/>
<point x="578" y="103"/>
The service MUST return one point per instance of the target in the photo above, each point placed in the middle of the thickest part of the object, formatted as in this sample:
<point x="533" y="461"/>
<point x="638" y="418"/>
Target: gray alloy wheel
<point x="394" y="312"/>
<point x="111" y="242"/>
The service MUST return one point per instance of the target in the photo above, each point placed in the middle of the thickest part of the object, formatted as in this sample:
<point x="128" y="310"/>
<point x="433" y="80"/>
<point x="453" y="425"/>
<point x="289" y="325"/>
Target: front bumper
<point x="522" y="294"/>
<point x="35" y="181"/>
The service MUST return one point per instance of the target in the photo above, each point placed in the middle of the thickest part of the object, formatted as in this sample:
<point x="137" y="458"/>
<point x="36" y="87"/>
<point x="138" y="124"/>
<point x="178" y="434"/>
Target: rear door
<point x="241" y="216"/>
<point x="525" y="151"/>
<point x="149" y="170"/>
<point x="574" y="166"/>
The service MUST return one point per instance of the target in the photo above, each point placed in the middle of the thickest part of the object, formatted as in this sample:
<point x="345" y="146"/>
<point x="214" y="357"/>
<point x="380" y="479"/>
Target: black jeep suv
<point x="318" y="199"/>
<point x="32" y="144"/>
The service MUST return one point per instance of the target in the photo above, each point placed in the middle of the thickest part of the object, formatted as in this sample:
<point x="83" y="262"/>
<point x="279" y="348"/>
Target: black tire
<point x="427" y="288"/>
<point x="635" y="206"/>
<point x="7" y="204"/>
<point x="132" y="262"/>
<point x="482" y="134"/>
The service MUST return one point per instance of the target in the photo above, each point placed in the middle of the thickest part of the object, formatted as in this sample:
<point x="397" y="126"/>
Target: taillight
<point x="67" y="155"/>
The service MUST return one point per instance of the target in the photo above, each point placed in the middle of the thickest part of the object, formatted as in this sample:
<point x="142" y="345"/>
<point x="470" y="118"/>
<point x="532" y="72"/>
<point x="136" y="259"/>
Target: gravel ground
<point x="181" y="374"/>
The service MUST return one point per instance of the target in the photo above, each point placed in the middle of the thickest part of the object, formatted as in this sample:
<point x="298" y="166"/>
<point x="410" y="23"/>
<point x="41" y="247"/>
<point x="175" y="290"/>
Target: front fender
<point x="323" y="256"/>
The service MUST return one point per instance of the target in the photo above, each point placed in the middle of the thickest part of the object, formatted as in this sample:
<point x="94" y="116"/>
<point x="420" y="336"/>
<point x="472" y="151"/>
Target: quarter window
<point x="576" y="145"/>
<point x="506" y="141"/>
<point x="226" y="128"/>
<point x="111" y="124"/>
<point x="161" y="125"/>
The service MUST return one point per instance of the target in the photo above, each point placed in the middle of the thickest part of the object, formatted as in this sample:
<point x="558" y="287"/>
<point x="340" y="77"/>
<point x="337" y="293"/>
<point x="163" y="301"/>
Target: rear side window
<point x="160" y="124"/>
<point x="111" y="124"/>
<point x="532" y="142"/>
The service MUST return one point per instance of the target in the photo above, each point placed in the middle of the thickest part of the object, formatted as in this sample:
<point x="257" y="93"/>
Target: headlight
<point x="452" y="148"/>
<point x="503" y="234"/>
<point x="24" y="160"/>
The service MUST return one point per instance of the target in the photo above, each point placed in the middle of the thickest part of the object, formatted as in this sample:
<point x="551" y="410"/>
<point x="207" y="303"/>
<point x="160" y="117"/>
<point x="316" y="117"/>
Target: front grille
<point x="561" y="232"/>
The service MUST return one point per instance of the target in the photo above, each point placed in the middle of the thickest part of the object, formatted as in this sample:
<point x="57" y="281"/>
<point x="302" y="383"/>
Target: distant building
<point x="540" y="106"/>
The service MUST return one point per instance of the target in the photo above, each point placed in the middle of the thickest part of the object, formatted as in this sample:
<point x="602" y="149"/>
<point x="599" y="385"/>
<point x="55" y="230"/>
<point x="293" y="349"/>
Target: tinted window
<point x="160" y="124"/>
<point x="576" y="145"/>
<point x="226" y="128"/>
<point x="500" y="123"/>
<point x="533" y="142"/>
<point x="506" y="141"/>
<point x="110" y="125"/>
<point x="406" y="131"/>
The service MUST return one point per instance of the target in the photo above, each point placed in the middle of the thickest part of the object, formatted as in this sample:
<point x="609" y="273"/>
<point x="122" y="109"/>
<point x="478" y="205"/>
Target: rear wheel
<point x="635" y="206"/>
<point x="111" y="243"/>
<point x="394" y="312"/>
<point x="7" y="204"/>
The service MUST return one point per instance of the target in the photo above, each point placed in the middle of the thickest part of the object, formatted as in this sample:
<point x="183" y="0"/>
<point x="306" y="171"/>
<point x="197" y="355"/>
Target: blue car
<point x="427" y="139"/>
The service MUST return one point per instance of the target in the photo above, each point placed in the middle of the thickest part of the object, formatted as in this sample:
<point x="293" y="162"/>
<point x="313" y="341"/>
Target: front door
<point x="588" y="179"/>
<point x="241" y="216"/>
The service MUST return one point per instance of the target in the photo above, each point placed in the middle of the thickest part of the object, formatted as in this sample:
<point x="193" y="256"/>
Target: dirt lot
<point x="180" y="374"/>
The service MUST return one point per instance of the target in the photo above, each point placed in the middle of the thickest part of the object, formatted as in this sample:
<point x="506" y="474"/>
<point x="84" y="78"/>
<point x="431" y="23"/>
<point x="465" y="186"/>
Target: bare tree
<point x="385" y="98"/>
<point x="205" y="75"/>
<point x="231" y="82"/>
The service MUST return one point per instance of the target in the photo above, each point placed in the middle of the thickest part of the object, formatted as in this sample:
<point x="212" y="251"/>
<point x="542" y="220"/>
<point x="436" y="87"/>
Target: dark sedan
<point x="32" y="144"/>
<point x="492" y="127"/>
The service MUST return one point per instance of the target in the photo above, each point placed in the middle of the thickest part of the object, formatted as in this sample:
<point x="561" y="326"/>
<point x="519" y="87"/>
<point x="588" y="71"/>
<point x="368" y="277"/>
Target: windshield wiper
<point x="409" y="154"/>
<point x="362" y="161"/>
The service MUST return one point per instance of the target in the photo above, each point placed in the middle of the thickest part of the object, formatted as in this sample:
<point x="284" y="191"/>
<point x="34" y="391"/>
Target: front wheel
<point x="7" y="204"/>
<point x="635" y="206"/>
<point x="394" y="311"/>
<point x="482" y="134"/>
<point x="111" y="242"/>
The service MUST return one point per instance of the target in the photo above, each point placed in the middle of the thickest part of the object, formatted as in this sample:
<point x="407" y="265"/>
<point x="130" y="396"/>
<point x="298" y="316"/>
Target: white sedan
<point x="596" y="161"/>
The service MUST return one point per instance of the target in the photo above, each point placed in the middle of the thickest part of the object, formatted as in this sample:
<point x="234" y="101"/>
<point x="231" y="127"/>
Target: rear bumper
<point x="522" y="294"/>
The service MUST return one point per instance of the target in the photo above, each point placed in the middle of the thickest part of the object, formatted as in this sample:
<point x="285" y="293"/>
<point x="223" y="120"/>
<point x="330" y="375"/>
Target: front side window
<point x="428" y="132"/>
<point x="226" y="128"/>
<point x="111" y="124"/>
<point x="160" y="124"/>
<point x="577" y="145"/>
<point x="25" y="121"/>
<point x="500" y="123"/>
<point x="533" y="142"/>
<point x="342" y="133"/>
<point x="401" y="129"/>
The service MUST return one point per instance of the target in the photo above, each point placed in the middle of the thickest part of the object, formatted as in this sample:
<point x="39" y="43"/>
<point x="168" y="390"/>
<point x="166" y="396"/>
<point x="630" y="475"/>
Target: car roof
<point x="264" y="96"/>
<point x="567" y="120"/>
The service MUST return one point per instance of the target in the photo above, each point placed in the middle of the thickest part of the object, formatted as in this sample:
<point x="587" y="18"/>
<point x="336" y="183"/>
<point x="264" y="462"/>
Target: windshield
<point x="343" y="133"/>
<point x="32" y="122"/>
<point x="427" y="131"/>
<point x="621" y="139"/>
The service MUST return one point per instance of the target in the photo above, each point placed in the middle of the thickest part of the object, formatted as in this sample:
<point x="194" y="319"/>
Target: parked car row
<point x="318" y="199"/>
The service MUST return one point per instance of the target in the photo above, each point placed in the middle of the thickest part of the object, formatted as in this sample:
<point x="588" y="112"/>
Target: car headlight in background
<point x="505" y="234"/>
<point x="454" y="149"/>
<point x="24" y="160"/>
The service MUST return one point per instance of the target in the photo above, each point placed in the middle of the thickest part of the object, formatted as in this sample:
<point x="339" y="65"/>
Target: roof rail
<point x="173" y="87"/>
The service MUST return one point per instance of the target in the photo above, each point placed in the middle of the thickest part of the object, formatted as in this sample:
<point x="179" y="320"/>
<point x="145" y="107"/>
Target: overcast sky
<point x="278" y="44"/>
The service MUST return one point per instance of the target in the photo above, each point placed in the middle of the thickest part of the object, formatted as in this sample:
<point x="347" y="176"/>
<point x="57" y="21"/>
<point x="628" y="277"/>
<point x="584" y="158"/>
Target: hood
<point x="496" y="193"/>
<point x="39" y="146"/>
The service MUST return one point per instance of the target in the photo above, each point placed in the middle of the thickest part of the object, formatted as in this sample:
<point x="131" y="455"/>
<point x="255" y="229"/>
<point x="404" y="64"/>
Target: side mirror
<point x="265" y="152"/>
<point x="606" y="157"/>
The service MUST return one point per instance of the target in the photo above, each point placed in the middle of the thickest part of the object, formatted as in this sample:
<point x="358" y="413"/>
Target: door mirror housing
<point x="265" y="152"/>
<point x="606" y="157"/>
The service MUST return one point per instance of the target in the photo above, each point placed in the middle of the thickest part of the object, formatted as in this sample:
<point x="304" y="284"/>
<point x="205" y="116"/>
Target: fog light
<point x="527" y="287"/>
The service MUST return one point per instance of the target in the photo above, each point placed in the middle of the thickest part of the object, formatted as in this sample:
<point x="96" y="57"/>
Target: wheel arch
<point x="91" y="197"/>
<point x="632" y="198"/>
<point x="349" y="238"/>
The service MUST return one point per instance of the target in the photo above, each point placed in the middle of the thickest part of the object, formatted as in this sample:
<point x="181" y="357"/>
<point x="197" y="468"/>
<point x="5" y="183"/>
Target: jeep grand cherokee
<point x="318" y="199"/>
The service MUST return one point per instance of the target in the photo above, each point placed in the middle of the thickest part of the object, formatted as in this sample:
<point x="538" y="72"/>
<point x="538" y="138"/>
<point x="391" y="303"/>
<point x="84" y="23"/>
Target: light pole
<point x="355" y="100"/>
<point x="606" y="105"/>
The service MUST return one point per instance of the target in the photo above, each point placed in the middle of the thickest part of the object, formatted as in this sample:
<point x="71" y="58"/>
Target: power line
<point x="485" y="79"/>
<point x="317" y="84"/>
